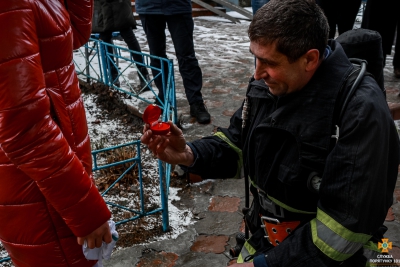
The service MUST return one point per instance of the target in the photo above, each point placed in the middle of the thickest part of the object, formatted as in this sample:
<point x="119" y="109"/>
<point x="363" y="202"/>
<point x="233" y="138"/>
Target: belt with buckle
<point x="277" y="231"/>
<point x="270" y="206"/>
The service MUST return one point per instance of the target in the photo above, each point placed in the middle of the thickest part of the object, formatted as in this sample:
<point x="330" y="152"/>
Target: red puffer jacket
<point x="47" y="196"/>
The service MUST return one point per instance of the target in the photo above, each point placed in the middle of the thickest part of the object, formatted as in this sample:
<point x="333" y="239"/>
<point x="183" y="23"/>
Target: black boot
<point x="199" y="111"/>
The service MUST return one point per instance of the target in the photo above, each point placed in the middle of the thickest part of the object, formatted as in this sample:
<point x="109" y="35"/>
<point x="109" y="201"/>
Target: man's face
<point x="274" y="68"/>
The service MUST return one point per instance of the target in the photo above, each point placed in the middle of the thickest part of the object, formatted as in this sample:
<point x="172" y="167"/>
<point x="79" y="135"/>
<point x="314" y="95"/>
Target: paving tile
<point x="397" y="194"/>
<point x="243" y="86"/>
<point x="394" y="110"/>
<point x="231" y="262"/>
<point x="219" y="223"/>
<point x="395" y="252"/>
<point x="199" y="259"/>
<point x="228" y="113"/>
<point x="194" y="178"/>
<point x="214" y="104"/>
<point x="221" y="91"/>
<point x="393" y="232"/>
<point x="229" y="188"/>
<point x="228" y="204"/>
<point x="206" y="187"/>
<point x="161" y="259"/>
<point x="390" y="215"/>
<point x="210" y="244"/>
<point x="392" y="91"/>
<point x="242" y="227"/>
<point x="238" y="97"/>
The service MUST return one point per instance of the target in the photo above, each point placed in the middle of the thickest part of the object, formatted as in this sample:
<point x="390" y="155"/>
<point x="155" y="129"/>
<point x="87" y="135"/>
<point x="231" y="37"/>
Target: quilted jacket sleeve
<point x="29" y="136"/>
<point x="80" y="12"/>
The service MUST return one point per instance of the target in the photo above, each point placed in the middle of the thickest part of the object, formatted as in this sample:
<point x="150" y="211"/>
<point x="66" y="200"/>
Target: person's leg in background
<point x="396" y="56"/>
<point x="375" y="10"/>
<point x="154" y="27"/>
<point x="256" y="4"/>
<point x="107" y="38"/>
<point x="330" y="10"/>
<point x="347" y="11"/>
<point x="181" y="28"/>
<point x="130" y="39"/>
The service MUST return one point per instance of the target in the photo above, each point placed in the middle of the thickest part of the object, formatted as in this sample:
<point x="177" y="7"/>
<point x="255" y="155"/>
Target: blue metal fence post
<point x="87" y="64"/>
<point x="140" y="180"/>
<point x="5" y="259"/>
<point x="163" y="196"/>
<point x="104" y="63"/>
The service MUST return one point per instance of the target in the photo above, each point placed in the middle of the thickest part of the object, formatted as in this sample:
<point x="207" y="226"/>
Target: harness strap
<point x="277" y="231"/>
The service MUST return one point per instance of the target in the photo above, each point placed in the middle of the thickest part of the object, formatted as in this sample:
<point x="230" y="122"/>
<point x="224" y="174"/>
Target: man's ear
<point x="311" y="60"/>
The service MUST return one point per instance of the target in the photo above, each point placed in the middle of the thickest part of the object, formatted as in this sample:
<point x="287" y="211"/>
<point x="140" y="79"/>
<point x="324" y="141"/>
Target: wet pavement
<point x="216" y="204"/>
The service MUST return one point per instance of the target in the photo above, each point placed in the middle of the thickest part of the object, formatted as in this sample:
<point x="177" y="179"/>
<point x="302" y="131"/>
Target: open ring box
<point x="151" y="115"/>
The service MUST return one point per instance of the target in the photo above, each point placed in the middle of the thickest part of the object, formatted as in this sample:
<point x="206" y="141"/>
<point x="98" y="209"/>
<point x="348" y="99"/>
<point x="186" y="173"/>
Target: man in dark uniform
<point x="322" y="174"/>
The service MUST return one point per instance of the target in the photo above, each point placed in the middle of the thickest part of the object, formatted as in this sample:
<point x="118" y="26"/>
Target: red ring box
<point x="151" y="115"/>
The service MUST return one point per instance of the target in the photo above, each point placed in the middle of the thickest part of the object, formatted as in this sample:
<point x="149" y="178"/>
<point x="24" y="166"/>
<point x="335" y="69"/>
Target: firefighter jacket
<point x="287" y="138"/>
<point x="47" y="196"/>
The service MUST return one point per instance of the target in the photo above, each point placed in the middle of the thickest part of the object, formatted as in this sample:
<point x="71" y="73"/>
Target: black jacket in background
<point x="112" y="15"/>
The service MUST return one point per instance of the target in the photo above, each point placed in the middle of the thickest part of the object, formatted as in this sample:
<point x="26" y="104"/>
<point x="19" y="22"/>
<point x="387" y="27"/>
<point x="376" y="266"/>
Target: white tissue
<point x="103" y="252"/>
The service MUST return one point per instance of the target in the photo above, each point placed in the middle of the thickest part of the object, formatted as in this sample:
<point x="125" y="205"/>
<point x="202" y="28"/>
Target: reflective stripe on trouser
<point x="223" y="137"/>
<point x="247" y="250"/>
<point x="335" y="240"/>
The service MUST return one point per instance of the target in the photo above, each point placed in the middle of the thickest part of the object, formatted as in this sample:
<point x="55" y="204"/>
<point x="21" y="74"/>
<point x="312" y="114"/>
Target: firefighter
<point x="322" y="172"/>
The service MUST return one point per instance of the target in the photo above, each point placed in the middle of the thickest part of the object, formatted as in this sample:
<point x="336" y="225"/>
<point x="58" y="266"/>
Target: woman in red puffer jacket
<point x="47" y="196"/>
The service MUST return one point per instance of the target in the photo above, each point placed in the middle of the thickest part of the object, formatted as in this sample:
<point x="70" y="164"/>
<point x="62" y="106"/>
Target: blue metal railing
<point x="96" y="62"/>
<point x="5" y="259"/>
<point x="135" y="162"/>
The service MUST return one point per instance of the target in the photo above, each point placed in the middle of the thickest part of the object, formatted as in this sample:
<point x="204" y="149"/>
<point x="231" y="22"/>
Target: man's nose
<point x="260" y="72"/>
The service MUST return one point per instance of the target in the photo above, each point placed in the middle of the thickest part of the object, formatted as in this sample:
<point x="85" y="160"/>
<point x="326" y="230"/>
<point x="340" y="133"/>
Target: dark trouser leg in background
<point x="396" y="56"/>
<point x="346" y="14"/>
<point x="133" y="44"/>
<point x="342" y="13"/>
<point x="329" y="8"/>
<point x="154" y="27"/>
<point x="181" y="29"/>
<point x="107" y="38"/>
<point x="256" y="4"/>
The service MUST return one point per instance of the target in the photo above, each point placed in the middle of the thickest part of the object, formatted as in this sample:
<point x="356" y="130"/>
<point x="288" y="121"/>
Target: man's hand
<point x="170" y="148"/>
<point x="96" y="238"/>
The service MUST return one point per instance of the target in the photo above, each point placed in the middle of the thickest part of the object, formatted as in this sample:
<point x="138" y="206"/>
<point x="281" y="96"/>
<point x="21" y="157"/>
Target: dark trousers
<point x="375" y="11"/>
<point x="133" y="44"/>
<point x="396" y="56"/>
<point x="342" y="13"/>
<point x="181" y="28"/>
